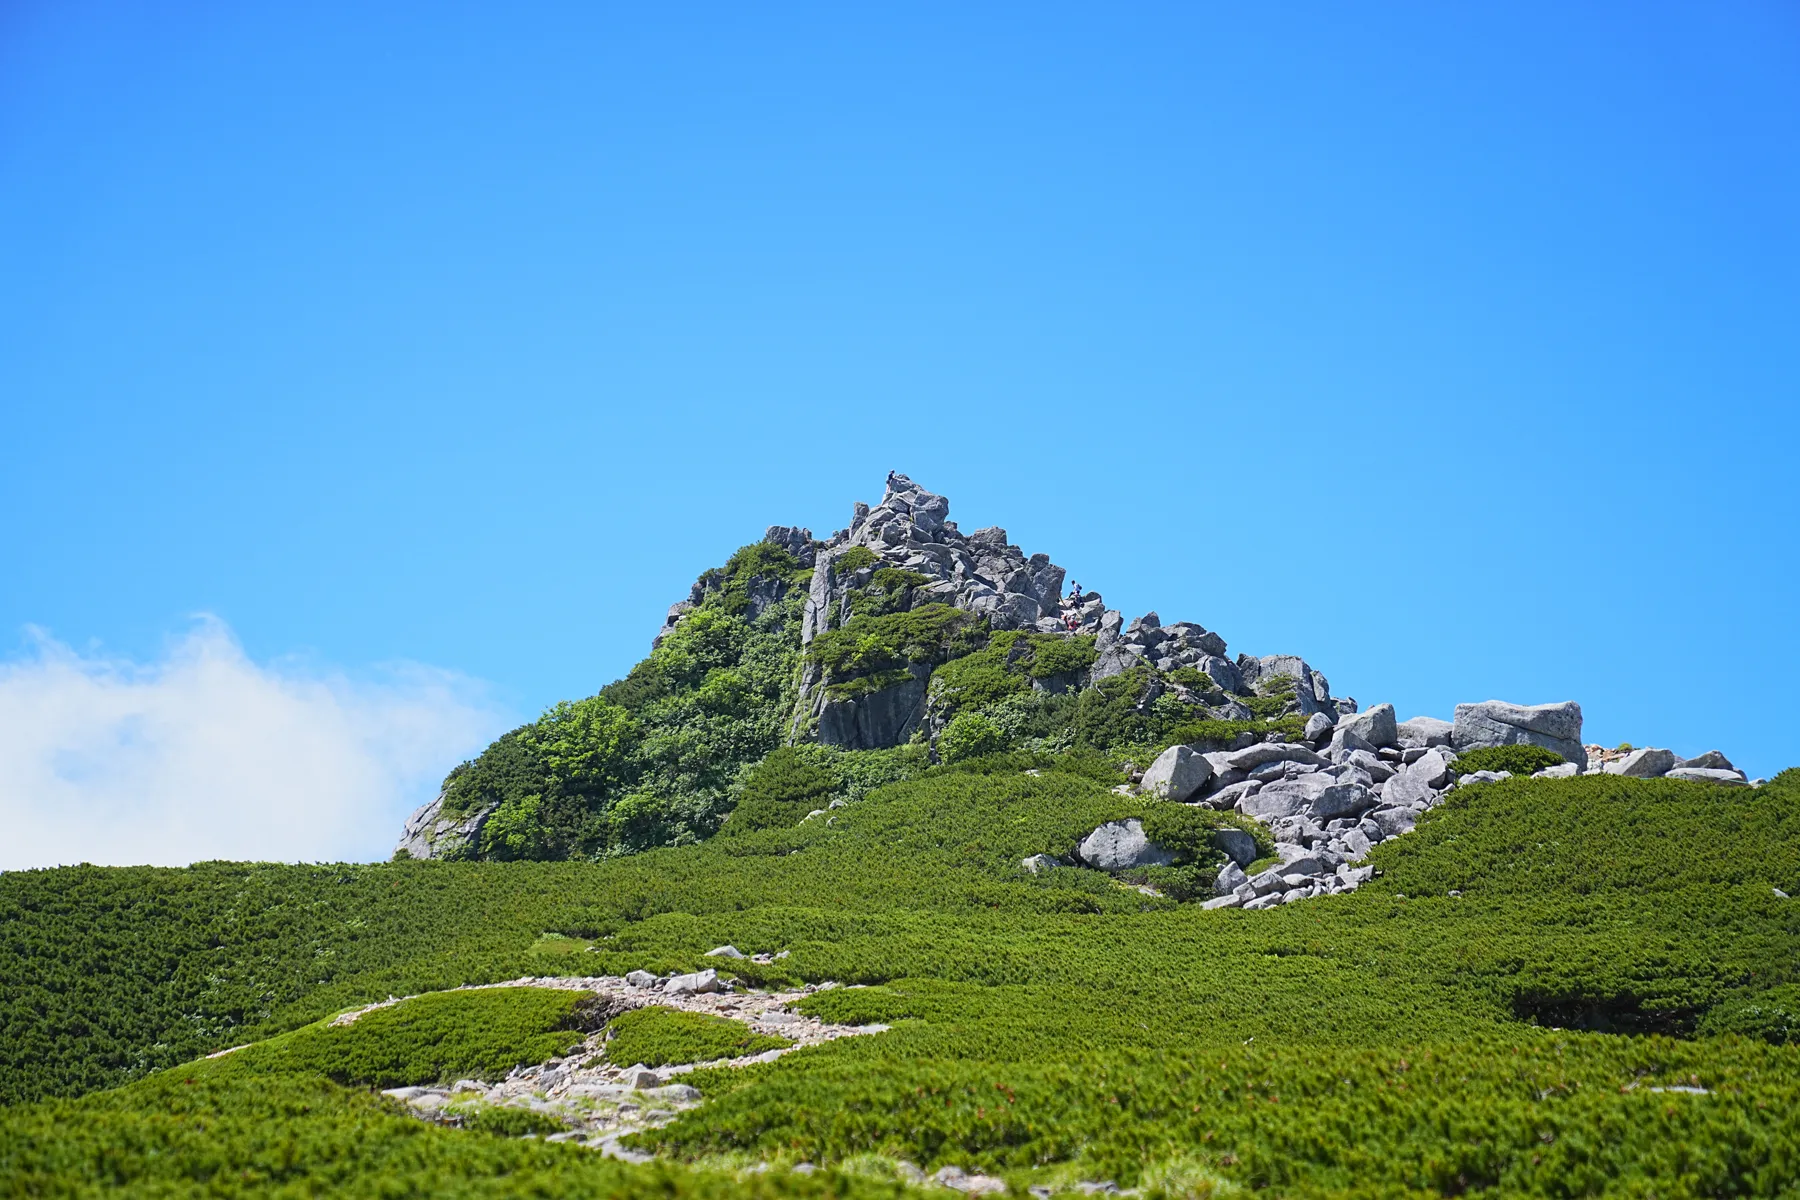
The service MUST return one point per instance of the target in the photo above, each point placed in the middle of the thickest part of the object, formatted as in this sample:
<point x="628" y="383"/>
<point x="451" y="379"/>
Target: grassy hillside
<point x="1492" y="1013"/>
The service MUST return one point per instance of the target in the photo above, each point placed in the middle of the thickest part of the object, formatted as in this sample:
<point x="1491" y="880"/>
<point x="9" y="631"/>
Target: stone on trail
<point x="642" y="979"/>
<point x="1177" y="774"/>
<point x="692" y="984"/>
<point x="1120" y="846"/>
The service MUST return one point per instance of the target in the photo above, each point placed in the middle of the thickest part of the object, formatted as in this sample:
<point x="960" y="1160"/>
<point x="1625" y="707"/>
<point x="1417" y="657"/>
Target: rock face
<point x="885" y="717"/>
<point x="1555" y="727"/>
<point x="1120" y="846"/>
<point x="428" y="833"/>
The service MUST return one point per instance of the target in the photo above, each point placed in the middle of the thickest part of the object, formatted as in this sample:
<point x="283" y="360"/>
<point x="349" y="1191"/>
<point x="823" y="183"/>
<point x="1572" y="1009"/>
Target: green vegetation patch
<point x="658" y="1036"/>
<point x="480" y="1033"/>
<point x="1518" y="760"/>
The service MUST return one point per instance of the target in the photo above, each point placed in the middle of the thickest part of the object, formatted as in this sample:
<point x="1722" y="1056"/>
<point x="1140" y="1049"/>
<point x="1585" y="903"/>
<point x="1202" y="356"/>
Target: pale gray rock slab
<point x="1120" y="846"/>
<point x="1037" y="864"/>
<point x="1555" y="727"/>
<point x="1648" y="763"/>
<point x="1231" y="878"/>
<point x="1317" y="726"/>
<point x="1356" y="843"/>
<point x="1712" y="760"/>
<point x="1251" y="757"/>
<point x="1414" y="783"/>
<point x="1394" y="820"/>
<point x="1566" y="770"/>
<point x="1377" y="770"/>
<point x="726" y="951"/>
<point x="1707" y="775"/>
<point x="1376" y="725"/>
<point x="1226" y="901"/>
<point x="641" y="979"/>
<point x="1238" y="846"/>
<point x="1177" y="774"/>
<point x="694" y="983"/>
<point x="1422" y="732"/>
<point x="1343" y="741"/>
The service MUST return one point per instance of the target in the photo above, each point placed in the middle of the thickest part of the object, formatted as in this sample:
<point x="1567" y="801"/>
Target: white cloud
<point x="206" y="754"/>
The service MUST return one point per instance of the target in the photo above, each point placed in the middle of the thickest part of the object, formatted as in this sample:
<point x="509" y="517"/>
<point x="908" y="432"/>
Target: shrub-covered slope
<point x="1492" y="1012"/>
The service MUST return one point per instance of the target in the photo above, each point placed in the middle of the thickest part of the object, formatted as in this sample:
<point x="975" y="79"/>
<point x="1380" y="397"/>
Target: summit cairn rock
<point x="1555" y="727"/>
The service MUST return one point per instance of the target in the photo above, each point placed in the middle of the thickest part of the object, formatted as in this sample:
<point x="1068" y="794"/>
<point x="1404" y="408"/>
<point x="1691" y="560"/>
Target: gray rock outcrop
<point x="1120" y="846"/>
<point x="428" y="833"/>
<point x="1555" y="727"/>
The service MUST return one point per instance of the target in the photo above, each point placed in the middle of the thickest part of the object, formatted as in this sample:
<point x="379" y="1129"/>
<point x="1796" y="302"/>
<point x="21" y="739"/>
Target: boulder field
<point x="1353" y="783"/>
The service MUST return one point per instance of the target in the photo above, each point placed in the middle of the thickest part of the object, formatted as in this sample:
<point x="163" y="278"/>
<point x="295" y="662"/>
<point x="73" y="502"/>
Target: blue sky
<point x="1451" y="347"/>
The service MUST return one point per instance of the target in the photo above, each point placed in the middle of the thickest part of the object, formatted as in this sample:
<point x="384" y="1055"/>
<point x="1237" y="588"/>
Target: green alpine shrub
<point x="1519" y="760"/>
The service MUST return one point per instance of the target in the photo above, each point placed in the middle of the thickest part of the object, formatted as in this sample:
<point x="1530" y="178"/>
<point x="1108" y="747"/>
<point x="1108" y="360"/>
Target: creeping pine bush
<point x="480" y="1033"/>
<point x="970" y="735"/>
<point x="1518" y="760"/>
<point x="659" y="1036"/>
<point x="779" y="791"/>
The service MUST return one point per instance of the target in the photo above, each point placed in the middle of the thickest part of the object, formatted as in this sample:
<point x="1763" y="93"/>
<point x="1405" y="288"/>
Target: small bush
<point x="779" y="791"/>
<point x="970" y="735"/>
<point x="511" y="1122"/>
<point x="1053" y="654"/>
<point x="1517" y="760"/>
<point x="1772" y="1016"/>
<point x="660" y="1036"/>
<point x="853" y="560"/>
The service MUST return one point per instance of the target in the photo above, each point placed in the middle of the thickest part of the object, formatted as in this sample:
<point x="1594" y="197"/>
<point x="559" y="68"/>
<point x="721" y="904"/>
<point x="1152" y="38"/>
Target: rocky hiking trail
<point x="600" y="1102"/>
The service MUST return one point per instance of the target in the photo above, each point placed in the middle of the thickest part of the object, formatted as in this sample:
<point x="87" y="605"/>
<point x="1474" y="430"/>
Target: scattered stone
<point x="1559" y="771"/>
<point x="1039" y="863"/>
<point x="727" y="951"/>
<point x="642" y="979"/>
